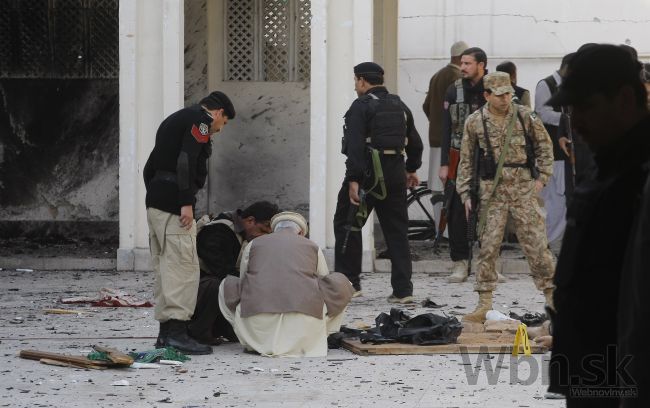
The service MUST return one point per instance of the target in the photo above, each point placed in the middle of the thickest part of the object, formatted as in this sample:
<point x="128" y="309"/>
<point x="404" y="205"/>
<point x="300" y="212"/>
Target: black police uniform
<point x="392" y="212"/>
<point x="218" y="247"/>
<point x="456" y="219"/>
<point x="177" y="166"/>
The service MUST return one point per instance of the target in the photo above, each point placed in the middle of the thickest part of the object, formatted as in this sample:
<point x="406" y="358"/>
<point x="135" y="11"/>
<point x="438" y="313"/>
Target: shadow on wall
<point x="59" y="153"/>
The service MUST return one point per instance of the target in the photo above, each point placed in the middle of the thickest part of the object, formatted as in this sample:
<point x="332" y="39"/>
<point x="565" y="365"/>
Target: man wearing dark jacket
<point x="175" y="171"/>
<point x="600" y="290"/>
<point x="463" y="97"/>
<point x="219" y="245"/>
<point x="432" y="107"/>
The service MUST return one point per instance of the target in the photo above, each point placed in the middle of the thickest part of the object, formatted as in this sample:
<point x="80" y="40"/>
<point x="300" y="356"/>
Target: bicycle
<point x="421" y="202"/>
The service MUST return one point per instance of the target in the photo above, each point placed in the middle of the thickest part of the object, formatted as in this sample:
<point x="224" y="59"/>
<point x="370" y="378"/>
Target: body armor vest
<point x="388" y="124"/>
<point x="459" y="111"/>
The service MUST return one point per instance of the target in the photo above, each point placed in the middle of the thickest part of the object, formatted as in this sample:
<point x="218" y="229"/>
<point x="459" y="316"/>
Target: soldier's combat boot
<point x="484" y="306"/>
<point x="548" y="294"/>
<point x="458" y="272"/>
<point x="176" y="336"/>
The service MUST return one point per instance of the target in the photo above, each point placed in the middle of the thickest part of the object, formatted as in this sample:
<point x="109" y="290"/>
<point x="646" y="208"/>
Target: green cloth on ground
<point x="151" y="356"/>
<point x="98" y="356"/>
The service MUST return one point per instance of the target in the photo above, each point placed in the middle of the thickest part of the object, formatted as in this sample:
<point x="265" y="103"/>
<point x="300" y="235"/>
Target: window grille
<point x="267" y="40"/>
<point x="59" y="39"/>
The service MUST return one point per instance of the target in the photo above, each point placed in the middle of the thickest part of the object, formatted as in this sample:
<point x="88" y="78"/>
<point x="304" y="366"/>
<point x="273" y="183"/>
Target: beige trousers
<point x="175" y="265"/>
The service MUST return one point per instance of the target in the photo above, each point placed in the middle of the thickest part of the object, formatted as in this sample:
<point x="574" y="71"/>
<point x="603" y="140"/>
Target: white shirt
<point x="542" y="95"/>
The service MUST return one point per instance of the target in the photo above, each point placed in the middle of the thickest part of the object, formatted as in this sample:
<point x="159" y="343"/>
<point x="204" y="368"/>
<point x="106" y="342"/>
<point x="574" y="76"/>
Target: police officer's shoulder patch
<point x="203" y="128"/>
<point x="201" y="133"/>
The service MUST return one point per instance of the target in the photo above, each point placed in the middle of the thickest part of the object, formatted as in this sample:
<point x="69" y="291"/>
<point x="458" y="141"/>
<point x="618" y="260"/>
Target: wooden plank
<point x="66" y="311"/>
<point x="77" y="360"/>
<point x="116" y="357"/>
<point x="64" y="364"/>
<point x="473" y="343"/>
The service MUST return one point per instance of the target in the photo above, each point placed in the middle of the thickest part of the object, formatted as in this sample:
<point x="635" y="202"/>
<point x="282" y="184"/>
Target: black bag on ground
<point x="424" y="329"/>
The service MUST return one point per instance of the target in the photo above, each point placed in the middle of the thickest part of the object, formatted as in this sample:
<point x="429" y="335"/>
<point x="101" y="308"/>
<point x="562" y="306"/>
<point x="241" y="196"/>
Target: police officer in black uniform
<point x="380" y="121"/>
<point x="175" y="171"/>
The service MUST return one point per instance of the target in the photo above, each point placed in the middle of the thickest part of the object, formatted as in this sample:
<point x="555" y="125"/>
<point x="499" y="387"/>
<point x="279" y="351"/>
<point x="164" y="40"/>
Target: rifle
<point x="531" y="163"/>
<point x="448" y="194"/>
<point x="355" y="220"/>
<point x="572" y="151"/>
<point x="472" y="220"/>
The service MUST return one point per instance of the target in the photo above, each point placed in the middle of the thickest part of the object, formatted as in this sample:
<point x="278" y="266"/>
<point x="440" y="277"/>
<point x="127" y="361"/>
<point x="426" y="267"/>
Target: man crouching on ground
<point x="285" y="302"/>
<point x="219" y="244"/>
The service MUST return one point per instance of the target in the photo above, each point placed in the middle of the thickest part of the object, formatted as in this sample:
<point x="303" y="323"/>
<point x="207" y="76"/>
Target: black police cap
<point x="368" y="68"/>
<point x="219" y="100"/>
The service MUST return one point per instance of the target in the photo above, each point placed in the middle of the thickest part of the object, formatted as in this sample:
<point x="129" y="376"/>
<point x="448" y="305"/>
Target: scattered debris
<point x="66" y="311"/>
<point x="17" y="320"/>
<point x="145" y="365"/>
<point x="101" y="358"/>
<point x="430" y="303"/>
<point x="75" y="361"/>
<point x="114" y="356"/>
<point x="530" y="319"/>
<point x="120" y="383"/>
<point x="162" y="354"/>
<point x="24" y="270"/>
<point x="498" y="316"/>
<point x="170" y="362"/>
<point x="109" y="298"/>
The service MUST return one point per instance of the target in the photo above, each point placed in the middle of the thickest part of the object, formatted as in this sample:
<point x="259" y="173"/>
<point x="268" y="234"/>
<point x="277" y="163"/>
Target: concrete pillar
<point x="151" y="88"/>
<point x="333" y="55"/>
<point x="385" y="40"/>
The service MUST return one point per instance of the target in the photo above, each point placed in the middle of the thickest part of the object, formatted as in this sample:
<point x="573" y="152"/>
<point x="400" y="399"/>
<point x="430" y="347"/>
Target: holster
<point x="487" y="165"/>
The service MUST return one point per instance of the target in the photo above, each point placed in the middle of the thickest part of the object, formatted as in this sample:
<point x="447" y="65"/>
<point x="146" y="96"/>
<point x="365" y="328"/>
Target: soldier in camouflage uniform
<point x="516" y="188"/>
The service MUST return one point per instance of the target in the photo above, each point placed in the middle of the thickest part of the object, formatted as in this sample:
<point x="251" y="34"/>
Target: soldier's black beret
<point x="219" y="100"/>
<point x="369" y="68"/>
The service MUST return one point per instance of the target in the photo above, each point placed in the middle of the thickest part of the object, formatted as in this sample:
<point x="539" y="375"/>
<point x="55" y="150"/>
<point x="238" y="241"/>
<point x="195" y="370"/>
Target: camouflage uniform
<point x="515" y="193"/>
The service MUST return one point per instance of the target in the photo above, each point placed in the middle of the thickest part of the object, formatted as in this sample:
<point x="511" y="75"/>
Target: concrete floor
<point x="231" y="378"/>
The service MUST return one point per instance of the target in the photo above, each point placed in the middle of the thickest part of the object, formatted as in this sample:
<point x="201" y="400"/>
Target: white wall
<point x="533" y="34"/>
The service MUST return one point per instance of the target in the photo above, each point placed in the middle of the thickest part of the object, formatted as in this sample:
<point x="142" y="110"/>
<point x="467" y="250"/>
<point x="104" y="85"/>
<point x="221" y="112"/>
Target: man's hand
<point x="353" y="192"/>
<point x="187" y="216"/>
<point x="538" y="186"/>
<point x="468" y="208"/>
<point x="443" y="173"/>
<point x="564" y="143"/>
<point x="412" y="180"/>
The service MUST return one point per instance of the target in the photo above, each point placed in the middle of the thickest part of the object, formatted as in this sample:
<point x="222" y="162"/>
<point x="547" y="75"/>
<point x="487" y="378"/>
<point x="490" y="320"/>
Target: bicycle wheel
<point x="421" y="204"/>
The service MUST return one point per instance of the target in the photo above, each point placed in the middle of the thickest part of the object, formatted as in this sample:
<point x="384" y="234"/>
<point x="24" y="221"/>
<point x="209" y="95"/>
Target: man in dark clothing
<point x="597" y="298"/>
<point x="432" y="107"/>
<point x="381" y="123"/>
<point x="219" y="245"/>
<point x="522" y="95"/>
<point x="175" y="171"/>
<point x="463" y="97"/>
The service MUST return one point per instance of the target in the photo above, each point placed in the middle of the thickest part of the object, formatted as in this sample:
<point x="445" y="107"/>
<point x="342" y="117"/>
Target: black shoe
<point x="176" y="336"/>
<point x="162" y="332"/>
<point x="207" y="339"/>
